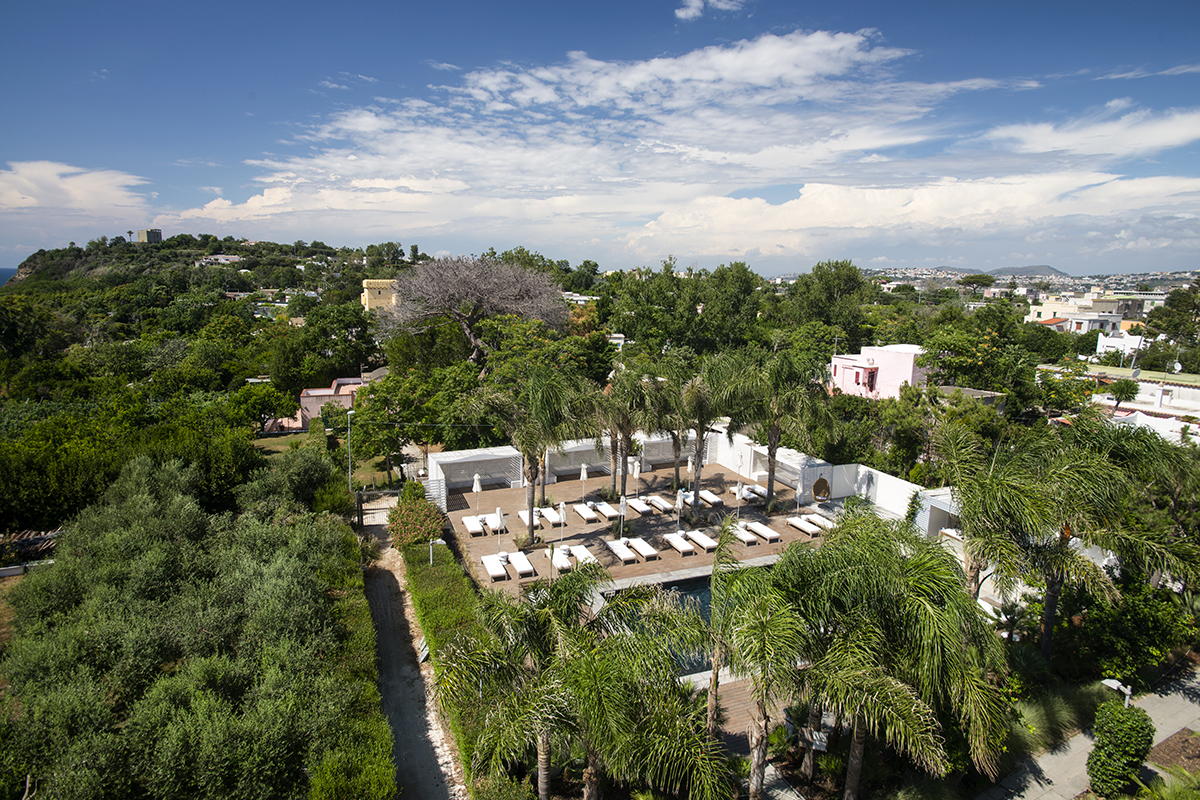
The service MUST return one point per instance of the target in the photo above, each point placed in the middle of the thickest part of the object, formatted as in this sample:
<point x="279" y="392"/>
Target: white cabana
<point x="565" y="460"/>
<point x="496" y="466"/>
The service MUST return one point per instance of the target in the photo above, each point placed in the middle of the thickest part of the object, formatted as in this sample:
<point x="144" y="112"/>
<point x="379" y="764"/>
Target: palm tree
<point x="767" y="642"/>
<point x="1033" y="504"/>
<point x="621" y="407"/>
<point x="891" y="641"/>
<point x="700" y="406"/>
<point x="664" y="411"/>
<point x="777" y="392"/>
<point x="547" y="670"/>
<point x="536" y="414"/>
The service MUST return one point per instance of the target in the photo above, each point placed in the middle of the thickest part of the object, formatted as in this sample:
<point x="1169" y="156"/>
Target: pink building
<point x="341" y="392"/>
<point x="877" y="372"/>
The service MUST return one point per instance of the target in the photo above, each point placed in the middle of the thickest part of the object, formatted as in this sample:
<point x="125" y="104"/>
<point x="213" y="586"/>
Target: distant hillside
<point x="1035" y="271"/>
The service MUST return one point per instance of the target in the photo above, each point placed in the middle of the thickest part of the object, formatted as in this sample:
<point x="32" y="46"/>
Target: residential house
<point x="877" y="372"/>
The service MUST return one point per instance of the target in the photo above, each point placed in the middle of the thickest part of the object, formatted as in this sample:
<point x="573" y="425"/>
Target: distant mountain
<point x="1035" y="271"/>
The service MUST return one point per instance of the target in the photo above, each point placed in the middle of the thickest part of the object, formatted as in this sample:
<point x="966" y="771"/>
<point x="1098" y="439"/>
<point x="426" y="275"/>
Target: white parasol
<point x="637" y="476"/>
<point x="477" y="487"/>
<point x="562" y="516"/>
<point x="624" y="508"/>
<point x="499" y="526"/>
<point x="583" y="481"/>
<point x="739" y="499"/>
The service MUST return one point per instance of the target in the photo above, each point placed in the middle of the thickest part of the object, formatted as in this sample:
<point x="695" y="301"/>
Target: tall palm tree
<point x="664" y="411"/>
<point x="776" y="391"/>
<point x="700" y="406"/>
<point x="767" y="643"/>
<point x="538" y="413"/>
<point x="621" y="408"/>
<point x="891" y="641"/>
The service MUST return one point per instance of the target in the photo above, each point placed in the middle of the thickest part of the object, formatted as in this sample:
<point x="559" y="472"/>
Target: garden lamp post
<point x="349" y="457"/>
<point x="1117" y="686"/>
<point x="432" y="542"/>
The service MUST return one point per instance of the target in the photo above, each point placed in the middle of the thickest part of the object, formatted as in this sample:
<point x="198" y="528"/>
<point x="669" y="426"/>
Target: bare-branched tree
<point x="466" y="290"/>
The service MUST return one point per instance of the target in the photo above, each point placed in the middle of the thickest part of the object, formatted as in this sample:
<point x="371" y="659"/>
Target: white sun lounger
<point x="761" y="491"/>
<point x="607" y="511"/>
<point x="702" y="540"/>
<point x="637" y="505"/>
<point x="679" y="543"/>
<point x="521" y="563"/>
<point x="817" y="519"/>
<point x="524" y="515"/>
<point x="643" y="549"/>
<point x="582" y="554"/>
<point x="621" y="551"/>
<point x="494" y="567"/>
<point x="800" y="523"/>
<point x="711" y="498"/>
<point x="551" y="516"/>
<point x="585" y="512"/>
<point x="474" y="526"/>
<point x="558" y="557"/>
<point x="495" y="525"/>
<point x="744" y="536"/>
<point x="659" y="503"/>
<point x="763" y="531"/>
<point x="748" y="494"/>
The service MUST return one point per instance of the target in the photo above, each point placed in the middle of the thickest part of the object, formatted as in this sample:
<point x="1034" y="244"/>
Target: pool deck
<point x="670" y="566"/>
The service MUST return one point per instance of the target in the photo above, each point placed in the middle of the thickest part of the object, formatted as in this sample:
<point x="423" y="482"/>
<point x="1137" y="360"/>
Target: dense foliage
<point x="170" y="653"/>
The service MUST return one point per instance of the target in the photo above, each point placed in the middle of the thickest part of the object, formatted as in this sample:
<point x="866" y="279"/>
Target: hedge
<point x="1124" y="737"/>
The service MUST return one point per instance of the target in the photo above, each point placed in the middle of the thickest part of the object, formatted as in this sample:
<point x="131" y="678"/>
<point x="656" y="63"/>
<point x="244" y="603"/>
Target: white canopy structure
<point x="457" y="469"/>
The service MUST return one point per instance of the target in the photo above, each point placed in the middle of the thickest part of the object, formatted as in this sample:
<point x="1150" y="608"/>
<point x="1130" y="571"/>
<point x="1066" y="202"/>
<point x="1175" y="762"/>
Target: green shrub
<point x="412" y="492"/>
<point x="1124" y="737"/>
<point x="333" y="497"/>
<point x="416" y="521"/>
<point x="502" y="787"/>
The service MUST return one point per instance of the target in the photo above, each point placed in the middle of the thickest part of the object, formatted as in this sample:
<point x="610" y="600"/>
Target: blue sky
<point x="978" y="134"/>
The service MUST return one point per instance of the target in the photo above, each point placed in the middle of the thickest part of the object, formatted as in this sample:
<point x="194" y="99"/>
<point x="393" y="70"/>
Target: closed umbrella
<point x="689" y="465"/>
<point x="637" y="476"/>
<point x="739" y="499"/>
<point x="477" y="487"/>
<point x="623" y="509"/>
<point x="678" y="507"/>
<point x="583" y="481"/>
<point x="562" y="515"/>
<point x="499" y="526"/>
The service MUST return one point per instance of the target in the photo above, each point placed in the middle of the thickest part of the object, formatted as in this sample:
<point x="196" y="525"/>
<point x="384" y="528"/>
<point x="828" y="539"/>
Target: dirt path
<point x="426" y="768"/>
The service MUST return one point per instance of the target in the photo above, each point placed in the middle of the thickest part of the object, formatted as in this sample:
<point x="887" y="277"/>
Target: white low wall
<point x="888" y="492"/>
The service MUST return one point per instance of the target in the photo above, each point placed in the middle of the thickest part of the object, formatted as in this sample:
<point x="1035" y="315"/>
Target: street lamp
<point x="1117" y="686"/>
<point x="349" y="458"/>
<point x="432" y="542"/>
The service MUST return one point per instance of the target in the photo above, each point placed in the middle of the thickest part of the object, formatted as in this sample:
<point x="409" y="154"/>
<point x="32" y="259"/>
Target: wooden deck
<point x="669" y="565"/>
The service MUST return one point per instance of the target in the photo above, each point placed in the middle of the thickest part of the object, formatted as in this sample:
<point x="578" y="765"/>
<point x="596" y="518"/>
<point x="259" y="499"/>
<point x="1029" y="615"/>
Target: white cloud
<point x="630" y="161"/>
<point x="1140" y="72"/>
<point x="443" y="66"/>
<point x="1139" y="132"/>
<point x="693" y="9"/>
<point x="328" y="84"/>
<point x="48" y="185"/>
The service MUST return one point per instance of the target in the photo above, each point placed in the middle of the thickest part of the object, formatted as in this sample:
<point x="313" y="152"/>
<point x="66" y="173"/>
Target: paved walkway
<point x="1061" y="774"/>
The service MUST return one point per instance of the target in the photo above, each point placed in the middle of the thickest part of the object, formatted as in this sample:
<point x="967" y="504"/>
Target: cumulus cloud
<point x="632" y="160"/>
<point x="328" y="84"/>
